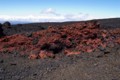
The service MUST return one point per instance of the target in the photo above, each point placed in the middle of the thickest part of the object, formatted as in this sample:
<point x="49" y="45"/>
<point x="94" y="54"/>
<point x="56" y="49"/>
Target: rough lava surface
<point x="69" y="40"/>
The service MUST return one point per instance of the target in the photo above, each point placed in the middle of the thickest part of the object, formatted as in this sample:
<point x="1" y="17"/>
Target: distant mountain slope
<point x="106" y="23"/>
<point x="32" y="27"/>
<point x="110" y="23"/>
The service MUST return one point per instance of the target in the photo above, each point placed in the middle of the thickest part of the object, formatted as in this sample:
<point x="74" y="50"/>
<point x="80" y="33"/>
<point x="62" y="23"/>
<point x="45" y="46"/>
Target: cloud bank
<point x="48" y="15"/>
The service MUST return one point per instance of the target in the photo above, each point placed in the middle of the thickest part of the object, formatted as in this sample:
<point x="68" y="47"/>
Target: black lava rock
<point x="7" y="24"/>
<point x="1" y="31"/>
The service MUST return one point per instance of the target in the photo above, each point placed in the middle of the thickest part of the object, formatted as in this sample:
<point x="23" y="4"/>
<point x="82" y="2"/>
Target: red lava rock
<point x="118" y="41"/>
<point x="92" y="24"/>
<point x="89" y="50"/>
<point x="70" y="52"/>
<point x="45" y="54"/>
<point x="104" y="35"/>
<point x="42" y="55"/>
<point x="103" y="45"/>
<point x="69" y="38"/>
<point x="32" y="56"/>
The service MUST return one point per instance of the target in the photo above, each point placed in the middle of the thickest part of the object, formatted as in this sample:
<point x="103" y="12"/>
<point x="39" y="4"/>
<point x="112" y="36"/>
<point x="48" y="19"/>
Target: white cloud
<point x="48" y="15"/>
<point x="48" y="11"/>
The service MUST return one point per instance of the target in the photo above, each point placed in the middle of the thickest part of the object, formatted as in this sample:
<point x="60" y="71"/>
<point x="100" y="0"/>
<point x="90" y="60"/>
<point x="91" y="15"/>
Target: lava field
<point x="68" y="39"/>
<point x="86" y="50"/>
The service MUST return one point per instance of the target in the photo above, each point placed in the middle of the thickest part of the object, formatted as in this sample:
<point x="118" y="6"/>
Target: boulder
<point x="1" y="31"/>
<point x="0" y="25"/>
<point x="7" y="24"/>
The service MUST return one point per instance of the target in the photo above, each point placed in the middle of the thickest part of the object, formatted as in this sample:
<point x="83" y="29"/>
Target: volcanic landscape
<point x="81" y="50"/>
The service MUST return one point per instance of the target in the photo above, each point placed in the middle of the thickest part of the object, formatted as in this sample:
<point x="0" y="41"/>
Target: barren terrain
<point x="61" y="51"/>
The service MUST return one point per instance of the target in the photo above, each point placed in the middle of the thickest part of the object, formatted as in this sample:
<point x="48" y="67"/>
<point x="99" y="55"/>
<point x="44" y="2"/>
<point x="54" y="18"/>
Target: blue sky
<point x="66" y="9"/>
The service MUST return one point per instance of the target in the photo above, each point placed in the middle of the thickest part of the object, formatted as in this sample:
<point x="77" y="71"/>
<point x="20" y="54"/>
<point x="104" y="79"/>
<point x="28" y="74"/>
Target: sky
<point x="58" y="10"/>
